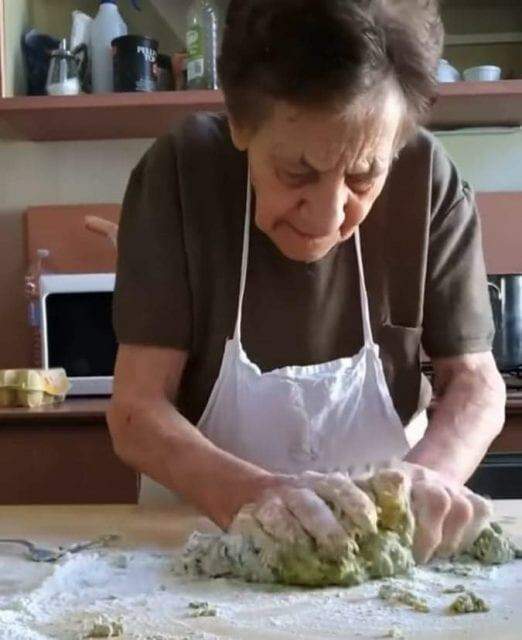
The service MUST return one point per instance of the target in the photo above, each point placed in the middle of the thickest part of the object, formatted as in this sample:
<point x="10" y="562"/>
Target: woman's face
<point x="316" y="175"/>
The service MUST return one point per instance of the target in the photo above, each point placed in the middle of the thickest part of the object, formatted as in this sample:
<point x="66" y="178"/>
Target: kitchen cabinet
<point x="479" y="32"/>
<point x="61" y="455"/>
<point x="87" y="117"/>
<point x="482" y="32"/>
<point x="55" y="17"/>
<point x="96" y="117"/>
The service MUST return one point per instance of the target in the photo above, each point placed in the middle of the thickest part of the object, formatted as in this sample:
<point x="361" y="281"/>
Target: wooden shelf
<point x="478" y="104"/>
<point x="95" y="117"/>
<point x="148" y="115"/>
<point x="467" y="39"/>
<point x="89" y="409"/>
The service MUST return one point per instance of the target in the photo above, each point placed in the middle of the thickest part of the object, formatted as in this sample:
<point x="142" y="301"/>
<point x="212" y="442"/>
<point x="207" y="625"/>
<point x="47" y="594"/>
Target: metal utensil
<point x="39" y="554"/>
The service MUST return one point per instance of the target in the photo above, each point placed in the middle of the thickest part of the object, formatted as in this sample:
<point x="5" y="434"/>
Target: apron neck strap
<point x="244" y="259"/>
<point x="365" y="308"/>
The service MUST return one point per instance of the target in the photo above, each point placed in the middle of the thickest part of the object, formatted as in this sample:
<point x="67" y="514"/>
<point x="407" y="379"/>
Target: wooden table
<point x="164" y="530"/>
<point x="145" y="527"/>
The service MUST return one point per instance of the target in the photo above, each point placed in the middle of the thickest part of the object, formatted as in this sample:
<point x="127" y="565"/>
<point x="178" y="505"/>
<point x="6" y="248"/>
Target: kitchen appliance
<point x="506" y="301"/>
<point x="75" y="318"/>
<point x="499" y="476"/>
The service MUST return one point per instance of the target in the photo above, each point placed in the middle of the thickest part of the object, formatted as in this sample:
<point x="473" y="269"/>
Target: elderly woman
<point x="281" y="266"/>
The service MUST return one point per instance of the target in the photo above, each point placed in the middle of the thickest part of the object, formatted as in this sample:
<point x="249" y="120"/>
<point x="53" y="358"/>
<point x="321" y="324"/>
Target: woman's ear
<point x="240" y="136"/>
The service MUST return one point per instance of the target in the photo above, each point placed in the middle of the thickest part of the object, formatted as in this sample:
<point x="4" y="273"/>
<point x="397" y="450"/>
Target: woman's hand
<point x="296" y="507"/>
<point x="448" y="517"/>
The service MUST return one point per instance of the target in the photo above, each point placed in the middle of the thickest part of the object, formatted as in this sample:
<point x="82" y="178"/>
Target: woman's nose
<point x="323" y="207"/>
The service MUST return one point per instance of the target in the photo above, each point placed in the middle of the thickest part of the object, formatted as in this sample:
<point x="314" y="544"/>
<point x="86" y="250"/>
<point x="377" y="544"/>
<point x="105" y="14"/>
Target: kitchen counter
<point x="83" y="411"/>
<point x="62" y="454"/>
<point x="95" y="408"/>
<point x="244" y="612"/>
<point x="77" y="408"/>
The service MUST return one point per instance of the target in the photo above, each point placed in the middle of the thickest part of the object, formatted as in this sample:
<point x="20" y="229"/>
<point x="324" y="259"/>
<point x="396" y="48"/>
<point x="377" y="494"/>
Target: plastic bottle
<point x="107" y="25"/>
<point x="202" y="44"/>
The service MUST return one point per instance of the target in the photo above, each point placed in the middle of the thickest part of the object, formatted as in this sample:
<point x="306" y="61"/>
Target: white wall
<point x="490" y="159"/>
<point x="83" y="172"/>
<point x="48" y="173"/>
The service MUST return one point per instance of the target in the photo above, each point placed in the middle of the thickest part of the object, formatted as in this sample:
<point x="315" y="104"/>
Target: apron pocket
<point x="400" y="353"/>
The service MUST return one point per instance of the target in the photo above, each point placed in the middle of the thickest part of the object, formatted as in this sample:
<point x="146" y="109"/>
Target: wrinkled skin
<point x="327" y="506"/>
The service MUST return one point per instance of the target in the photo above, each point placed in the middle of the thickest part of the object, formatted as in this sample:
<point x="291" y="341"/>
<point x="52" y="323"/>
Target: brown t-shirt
<point x="179" y="263"/>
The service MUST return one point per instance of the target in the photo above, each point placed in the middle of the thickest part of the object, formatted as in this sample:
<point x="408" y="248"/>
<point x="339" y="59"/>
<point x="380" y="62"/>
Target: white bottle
<point x="107" y="25"/>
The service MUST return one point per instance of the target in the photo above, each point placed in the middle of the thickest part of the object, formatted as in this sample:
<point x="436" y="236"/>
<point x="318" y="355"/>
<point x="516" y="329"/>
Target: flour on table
<point x="153" y="603"/>
<point x="152" y="597"/>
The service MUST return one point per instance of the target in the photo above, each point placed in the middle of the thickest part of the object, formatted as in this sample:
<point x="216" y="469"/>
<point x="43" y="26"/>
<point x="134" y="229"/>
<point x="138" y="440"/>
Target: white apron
<point x="324" y="417"/>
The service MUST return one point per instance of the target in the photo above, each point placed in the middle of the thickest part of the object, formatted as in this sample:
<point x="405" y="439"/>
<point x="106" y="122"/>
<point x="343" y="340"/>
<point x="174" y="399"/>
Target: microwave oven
<point x="75" y="329"/>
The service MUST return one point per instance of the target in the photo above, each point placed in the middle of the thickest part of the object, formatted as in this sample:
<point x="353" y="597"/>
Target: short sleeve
<point x="152" y="298"/>
<point x="457" y="312"/>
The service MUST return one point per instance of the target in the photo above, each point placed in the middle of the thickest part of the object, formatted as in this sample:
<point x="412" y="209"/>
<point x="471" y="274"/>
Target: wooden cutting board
<point x="73" y="249"/>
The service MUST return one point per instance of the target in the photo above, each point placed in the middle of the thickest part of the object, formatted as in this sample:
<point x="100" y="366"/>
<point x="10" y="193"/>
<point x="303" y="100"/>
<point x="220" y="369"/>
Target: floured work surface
<point x="136" y="591"/>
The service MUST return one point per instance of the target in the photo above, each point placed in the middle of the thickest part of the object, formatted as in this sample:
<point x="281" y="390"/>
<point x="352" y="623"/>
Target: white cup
<point x="484" y="73"/>
<point x="447" y="73"/>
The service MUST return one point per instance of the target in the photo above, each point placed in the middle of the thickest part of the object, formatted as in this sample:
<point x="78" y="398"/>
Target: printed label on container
<point x="195" y="43"/>
<point x="195" y="69"/>
<point x="195" y="62"/>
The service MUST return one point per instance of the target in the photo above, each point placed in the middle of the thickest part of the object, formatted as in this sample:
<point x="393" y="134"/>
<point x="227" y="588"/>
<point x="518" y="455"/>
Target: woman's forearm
<point x="155" y="439"/>
<point x="469" y="415"/>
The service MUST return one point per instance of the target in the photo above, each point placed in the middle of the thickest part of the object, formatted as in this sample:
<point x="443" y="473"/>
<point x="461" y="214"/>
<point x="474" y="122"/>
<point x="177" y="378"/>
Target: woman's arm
<point x="469" y="415"/>
<point x="152" y="437"/>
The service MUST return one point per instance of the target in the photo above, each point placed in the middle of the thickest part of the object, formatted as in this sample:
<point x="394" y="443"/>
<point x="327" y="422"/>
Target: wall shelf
<point x="94" y="117"/>
<point x="467" y="39"/>
<point x="478" y="104"/>
<point x="148" y="115"/>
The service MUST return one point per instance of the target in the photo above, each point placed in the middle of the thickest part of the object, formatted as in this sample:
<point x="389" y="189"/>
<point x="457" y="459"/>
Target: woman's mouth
<point x="306" y="236"/>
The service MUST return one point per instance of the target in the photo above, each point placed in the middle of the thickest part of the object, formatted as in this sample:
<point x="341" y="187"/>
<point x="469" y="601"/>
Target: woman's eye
<point x="292" y="178"/>
<point x="295" y="177"/>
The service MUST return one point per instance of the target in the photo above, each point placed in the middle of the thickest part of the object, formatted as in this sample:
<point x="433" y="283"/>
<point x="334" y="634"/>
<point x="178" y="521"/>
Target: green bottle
<point x="202" y="45"/>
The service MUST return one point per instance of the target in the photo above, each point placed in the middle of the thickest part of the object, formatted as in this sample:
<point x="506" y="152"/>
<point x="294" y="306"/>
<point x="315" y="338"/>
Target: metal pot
<point x="505" y="292"/>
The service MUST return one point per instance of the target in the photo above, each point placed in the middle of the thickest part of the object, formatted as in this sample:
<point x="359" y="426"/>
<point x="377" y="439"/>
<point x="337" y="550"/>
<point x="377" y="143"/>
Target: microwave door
<point x="78" y="336"/>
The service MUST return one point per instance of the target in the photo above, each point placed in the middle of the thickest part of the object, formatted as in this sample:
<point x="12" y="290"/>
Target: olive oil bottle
<point x="203" y="32"/>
